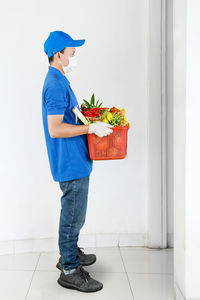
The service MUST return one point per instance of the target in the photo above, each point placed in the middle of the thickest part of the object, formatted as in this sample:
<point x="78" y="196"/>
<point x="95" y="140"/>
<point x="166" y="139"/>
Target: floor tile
<point x="22" y="261"/>
<point x="144" y="260"/>
<point x="108" y="260"/>
<point x="48" y="261"/>
<point x="151" y="286"/>
<point x="150" y="274"/>
<point x="14" y="284"/>
<point x="44" y="286"/>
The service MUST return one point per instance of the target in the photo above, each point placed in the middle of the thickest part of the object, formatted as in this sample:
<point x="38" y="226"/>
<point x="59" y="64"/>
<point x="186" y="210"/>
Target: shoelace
<point x="84" y="273"/>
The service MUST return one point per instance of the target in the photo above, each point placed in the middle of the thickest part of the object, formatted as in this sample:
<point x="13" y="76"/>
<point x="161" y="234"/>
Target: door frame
<point x="156" y="125"/>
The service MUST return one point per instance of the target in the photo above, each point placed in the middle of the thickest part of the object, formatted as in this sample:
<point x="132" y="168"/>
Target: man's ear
<point x="57" y="56"/>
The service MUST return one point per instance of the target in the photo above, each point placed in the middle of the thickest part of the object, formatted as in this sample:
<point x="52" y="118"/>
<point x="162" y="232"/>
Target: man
<point x="69" y="158"/>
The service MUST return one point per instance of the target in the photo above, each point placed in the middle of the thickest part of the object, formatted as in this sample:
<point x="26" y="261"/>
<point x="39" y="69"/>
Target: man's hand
<point x="100" y="128"/>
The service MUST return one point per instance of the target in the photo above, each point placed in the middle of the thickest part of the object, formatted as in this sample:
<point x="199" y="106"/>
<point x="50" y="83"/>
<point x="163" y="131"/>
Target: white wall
<point x="112" y="63"/>
<point x="186" y="149"/>
<point x="179" y="142"/>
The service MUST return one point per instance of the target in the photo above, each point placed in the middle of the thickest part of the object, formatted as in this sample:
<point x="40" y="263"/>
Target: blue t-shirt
<point x="68" y="157"/>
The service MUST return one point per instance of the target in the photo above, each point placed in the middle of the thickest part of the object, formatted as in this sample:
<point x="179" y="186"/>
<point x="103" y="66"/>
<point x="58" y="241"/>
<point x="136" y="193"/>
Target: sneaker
<point x="79" y="280"/>
<point x="85" y="259"/>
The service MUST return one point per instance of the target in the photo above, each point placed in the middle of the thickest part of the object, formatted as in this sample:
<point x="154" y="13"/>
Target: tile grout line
<point x="54" y="271"/>
<point x="32" y="276"/>
<point x="126" y="274"/>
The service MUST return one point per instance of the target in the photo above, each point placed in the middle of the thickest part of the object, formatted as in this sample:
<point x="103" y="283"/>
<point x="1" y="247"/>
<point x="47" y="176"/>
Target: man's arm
<point x="57" y="129"/>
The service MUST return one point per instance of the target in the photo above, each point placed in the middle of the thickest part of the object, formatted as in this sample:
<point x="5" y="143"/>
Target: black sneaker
<point x="85" y="259"/>
<point x="79" y="280"/>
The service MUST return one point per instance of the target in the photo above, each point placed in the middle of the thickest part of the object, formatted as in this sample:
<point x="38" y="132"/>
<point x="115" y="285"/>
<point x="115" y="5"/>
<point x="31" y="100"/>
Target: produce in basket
<point x="112" y="146"/>
<point x="94" y="112"/>
<point x="91" y="104"/>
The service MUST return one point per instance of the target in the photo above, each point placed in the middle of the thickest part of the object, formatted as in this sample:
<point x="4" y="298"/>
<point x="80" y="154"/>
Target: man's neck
<point x="57" y="67"/>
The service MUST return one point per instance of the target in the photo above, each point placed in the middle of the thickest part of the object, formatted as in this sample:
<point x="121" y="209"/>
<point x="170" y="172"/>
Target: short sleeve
<point x="56" y="99"/>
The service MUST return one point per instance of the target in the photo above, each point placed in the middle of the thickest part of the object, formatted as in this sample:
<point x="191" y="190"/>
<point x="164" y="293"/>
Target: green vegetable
<point x="116" y="119"/>
<point x="92" y="99"/>
<point x="91" y="104"/>
<point x="86" y="103"/>
<point x="103" y="114"/>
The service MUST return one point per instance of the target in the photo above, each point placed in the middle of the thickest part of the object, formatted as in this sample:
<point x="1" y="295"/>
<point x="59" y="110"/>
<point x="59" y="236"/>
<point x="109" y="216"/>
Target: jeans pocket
<point x="63" y="185"/>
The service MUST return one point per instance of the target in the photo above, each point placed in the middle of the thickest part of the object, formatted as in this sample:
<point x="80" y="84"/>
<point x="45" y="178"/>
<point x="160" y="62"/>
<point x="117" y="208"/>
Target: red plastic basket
<point x="112" y="146"/>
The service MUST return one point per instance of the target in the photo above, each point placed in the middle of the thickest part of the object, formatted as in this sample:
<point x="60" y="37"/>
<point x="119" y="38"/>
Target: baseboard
<point x="85" y="240"/>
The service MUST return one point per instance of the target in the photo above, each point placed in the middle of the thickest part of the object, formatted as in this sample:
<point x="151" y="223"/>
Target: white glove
<point x="100" y="128"/>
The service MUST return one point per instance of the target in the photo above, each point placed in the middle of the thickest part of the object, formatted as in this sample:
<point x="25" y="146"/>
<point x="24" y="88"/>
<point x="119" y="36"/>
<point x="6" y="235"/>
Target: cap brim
<point x="76" y="43"/>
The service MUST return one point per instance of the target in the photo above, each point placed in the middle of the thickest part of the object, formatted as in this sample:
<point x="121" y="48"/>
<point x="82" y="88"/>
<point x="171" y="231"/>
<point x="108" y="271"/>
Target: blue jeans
<point x="72" y="218"/>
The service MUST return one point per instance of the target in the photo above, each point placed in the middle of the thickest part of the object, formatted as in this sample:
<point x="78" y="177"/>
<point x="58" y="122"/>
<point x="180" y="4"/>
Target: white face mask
<point x="72" y="64"/>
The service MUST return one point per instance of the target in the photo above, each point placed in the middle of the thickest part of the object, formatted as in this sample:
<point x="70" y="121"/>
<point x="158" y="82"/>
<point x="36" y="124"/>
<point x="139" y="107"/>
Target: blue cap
<point x="58" y="40"/>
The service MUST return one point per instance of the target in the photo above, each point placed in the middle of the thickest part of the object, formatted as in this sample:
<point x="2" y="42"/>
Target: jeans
<point x="72" y="218"/>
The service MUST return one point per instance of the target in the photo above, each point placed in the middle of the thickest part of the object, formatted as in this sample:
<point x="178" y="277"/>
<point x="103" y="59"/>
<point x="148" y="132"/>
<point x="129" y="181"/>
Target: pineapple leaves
<point x="87" y="103"/>
<point x="92" y="103"/>
<point x="92" y="100"/>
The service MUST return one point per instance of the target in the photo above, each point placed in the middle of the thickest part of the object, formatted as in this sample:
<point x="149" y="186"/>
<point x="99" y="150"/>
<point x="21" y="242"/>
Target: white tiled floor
<point x="127" y="273"/>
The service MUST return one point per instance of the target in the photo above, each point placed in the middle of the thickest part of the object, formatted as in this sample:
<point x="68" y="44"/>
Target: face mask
<point x="72" y="64"/>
